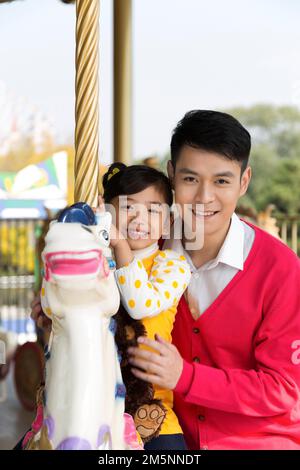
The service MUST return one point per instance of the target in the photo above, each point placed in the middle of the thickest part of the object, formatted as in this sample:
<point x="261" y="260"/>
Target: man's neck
<point x="211" y="247"/>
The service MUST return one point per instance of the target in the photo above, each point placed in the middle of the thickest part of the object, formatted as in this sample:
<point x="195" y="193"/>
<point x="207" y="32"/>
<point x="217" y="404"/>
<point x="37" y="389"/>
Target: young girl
<point x="151" y="281"/>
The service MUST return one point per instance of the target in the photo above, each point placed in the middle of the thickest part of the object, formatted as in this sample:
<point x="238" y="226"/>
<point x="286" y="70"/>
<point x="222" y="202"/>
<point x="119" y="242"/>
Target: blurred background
<point x="238" y="56"/>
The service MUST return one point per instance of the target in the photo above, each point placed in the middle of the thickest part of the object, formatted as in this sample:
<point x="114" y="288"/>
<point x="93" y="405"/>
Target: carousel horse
<point x="82" y="403"/>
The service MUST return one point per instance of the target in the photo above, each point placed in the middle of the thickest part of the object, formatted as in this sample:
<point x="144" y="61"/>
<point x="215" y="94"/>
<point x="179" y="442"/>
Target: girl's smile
<point x="141" y="217"/>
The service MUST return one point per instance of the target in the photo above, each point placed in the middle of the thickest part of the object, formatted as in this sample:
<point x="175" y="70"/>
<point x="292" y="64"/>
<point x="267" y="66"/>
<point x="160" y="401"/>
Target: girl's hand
<point x="101" y="205"/>
<point x="37" y="314"/>
<point x="115" y="236"/>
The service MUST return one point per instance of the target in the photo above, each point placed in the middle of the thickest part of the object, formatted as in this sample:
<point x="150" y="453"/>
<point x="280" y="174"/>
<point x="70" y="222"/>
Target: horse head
<point x="77" y="258"/>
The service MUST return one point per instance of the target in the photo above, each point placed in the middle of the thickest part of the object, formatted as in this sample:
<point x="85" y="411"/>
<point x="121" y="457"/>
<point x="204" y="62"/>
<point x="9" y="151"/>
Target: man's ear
<point x="171" y="172"/>
<point x="245" y="180"/>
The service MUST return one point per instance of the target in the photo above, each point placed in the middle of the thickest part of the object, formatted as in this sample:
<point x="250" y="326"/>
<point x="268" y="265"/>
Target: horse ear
<point x="104" y="220"/>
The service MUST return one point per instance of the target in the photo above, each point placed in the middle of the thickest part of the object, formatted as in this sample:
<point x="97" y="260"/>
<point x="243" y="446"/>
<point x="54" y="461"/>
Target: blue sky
<point x="187" y="54"/>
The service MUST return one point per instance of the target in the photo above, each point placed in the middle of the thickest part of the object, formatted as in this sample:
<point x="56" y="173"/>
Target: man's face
<point x="210" y="180"/>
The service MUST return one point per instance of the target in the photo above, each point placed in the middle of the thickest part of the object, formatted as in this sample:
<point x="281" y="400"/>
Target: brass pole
<point x="122" y="80"/>
<point x="87" y="101"/>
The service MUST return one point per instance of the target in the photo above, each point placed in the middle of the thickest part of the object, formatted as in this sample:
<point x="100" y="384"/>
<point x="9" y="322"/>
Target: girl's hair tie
<point x="114" y="171"/>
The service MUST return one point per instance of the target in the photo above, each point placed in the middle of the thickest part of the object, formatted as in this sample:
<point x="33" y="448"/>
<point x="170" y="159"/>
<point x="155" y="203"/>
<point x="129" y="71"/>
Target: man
<point x="234" y="364"/>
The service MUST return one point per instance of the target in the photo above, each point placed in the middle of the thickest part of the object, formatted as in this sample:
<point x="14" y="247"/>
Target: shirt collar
<point x="231" y="252"/>
<point x="145" y="252"/>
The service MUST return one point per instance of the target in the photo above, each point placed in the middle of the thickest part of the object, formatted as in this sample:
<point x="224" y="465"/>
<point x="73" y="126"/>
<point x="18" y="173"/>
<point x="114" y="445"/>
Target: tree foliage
<point x="275" y="155"/>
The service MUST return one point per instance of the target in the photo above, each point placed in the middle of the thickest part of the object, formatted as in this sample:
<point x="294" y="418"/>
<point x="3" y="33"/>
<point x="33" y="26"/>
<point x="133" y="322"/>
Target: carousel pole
<point x="122" y="81"/>
<point x="87" y="101"/>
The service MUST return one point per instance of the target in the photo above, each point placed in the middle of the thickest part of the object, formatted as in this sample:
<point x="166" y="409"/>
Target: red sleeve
<point x="186" y="378"/>
<point x="274" y="386"/>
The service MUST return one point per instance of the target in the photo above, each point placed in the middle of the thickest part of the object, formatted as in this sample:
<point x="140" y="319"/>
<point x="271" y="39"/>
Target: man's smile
<point x="205" y="214"/>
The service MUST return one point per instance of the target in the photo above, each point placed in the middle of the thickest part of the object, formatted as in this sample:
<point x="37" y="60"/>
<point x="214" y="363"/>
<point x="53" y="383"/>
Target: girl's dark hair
<point x="212" y="131"/>
<point x="122" y="180"/>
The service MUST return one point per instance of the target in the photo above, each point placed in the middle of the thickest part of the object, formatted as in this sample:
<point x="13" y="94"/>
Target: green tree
<point x="275" y="156"/>
<point x="284" y="190"/>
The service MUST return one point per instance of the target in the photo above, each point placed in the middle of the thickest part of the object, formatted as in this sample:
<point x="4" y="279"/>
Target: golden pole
<point x="122" y="80"/>
<point x="87" y="101"/>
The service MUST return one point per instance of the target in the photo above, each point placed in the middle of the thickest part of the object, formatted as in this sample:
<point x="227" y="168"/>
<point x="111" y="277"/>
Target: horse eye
<point x="105" y="235"/>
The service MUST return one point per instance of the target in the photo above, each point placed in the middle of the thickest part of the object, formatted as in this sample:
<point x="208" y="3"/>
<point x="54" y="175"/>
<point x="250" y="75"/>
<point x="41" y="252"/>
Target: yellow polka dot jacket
<point x="150" y="289"/>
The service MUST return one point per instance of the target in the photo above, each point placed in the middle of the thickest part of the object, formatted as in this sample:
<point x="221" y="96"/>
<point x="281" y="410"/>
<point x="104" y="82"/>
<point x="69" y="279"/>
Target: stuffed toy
<point x="148" y="413"/>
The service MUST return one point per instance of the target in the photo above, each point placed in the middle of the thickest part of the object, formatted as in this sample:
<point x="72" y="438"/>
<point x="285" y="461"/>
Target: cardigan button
<point x="196" y="330"/>
<point x="196" y="359"/>
<point x="201" y="418"/>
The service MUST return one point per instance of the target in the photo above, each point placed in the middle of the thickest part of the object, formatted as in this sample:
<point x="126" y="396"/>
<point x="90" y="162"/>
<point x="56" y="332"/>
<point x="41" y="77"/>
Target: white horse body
<point x="84" y="392"/>
<point x="81" y="379"/>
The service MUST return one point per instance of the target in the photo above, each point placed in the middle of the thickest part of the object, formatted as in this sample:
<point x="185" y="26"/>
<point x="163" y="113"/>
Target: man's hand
<point x="163" y="369"/>
<point x="37" y="314"/>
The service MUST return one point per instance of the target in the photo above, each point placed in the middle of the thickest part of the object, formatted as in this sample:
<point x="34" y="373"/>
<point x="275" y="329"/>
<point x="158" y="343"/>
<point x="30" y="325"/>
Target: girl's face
<point x="142" y="217"/>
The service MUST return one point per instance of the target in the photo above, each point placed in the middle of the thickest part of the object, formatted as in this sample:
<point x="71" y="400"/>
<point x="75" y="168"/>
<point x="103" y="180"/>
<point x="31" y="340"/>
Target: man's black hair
<point x="212" y="131"/>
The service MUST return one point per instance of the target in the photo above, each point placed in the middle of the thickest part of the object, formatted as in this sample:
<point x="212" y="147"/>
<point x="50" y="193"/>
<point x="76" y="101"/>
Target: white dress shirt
<point x="208" y="281"/>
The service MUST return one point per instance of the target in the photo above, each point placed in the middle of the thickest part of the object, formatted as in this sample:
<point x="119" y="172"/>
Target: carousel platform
<point x="14" y="420"/>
